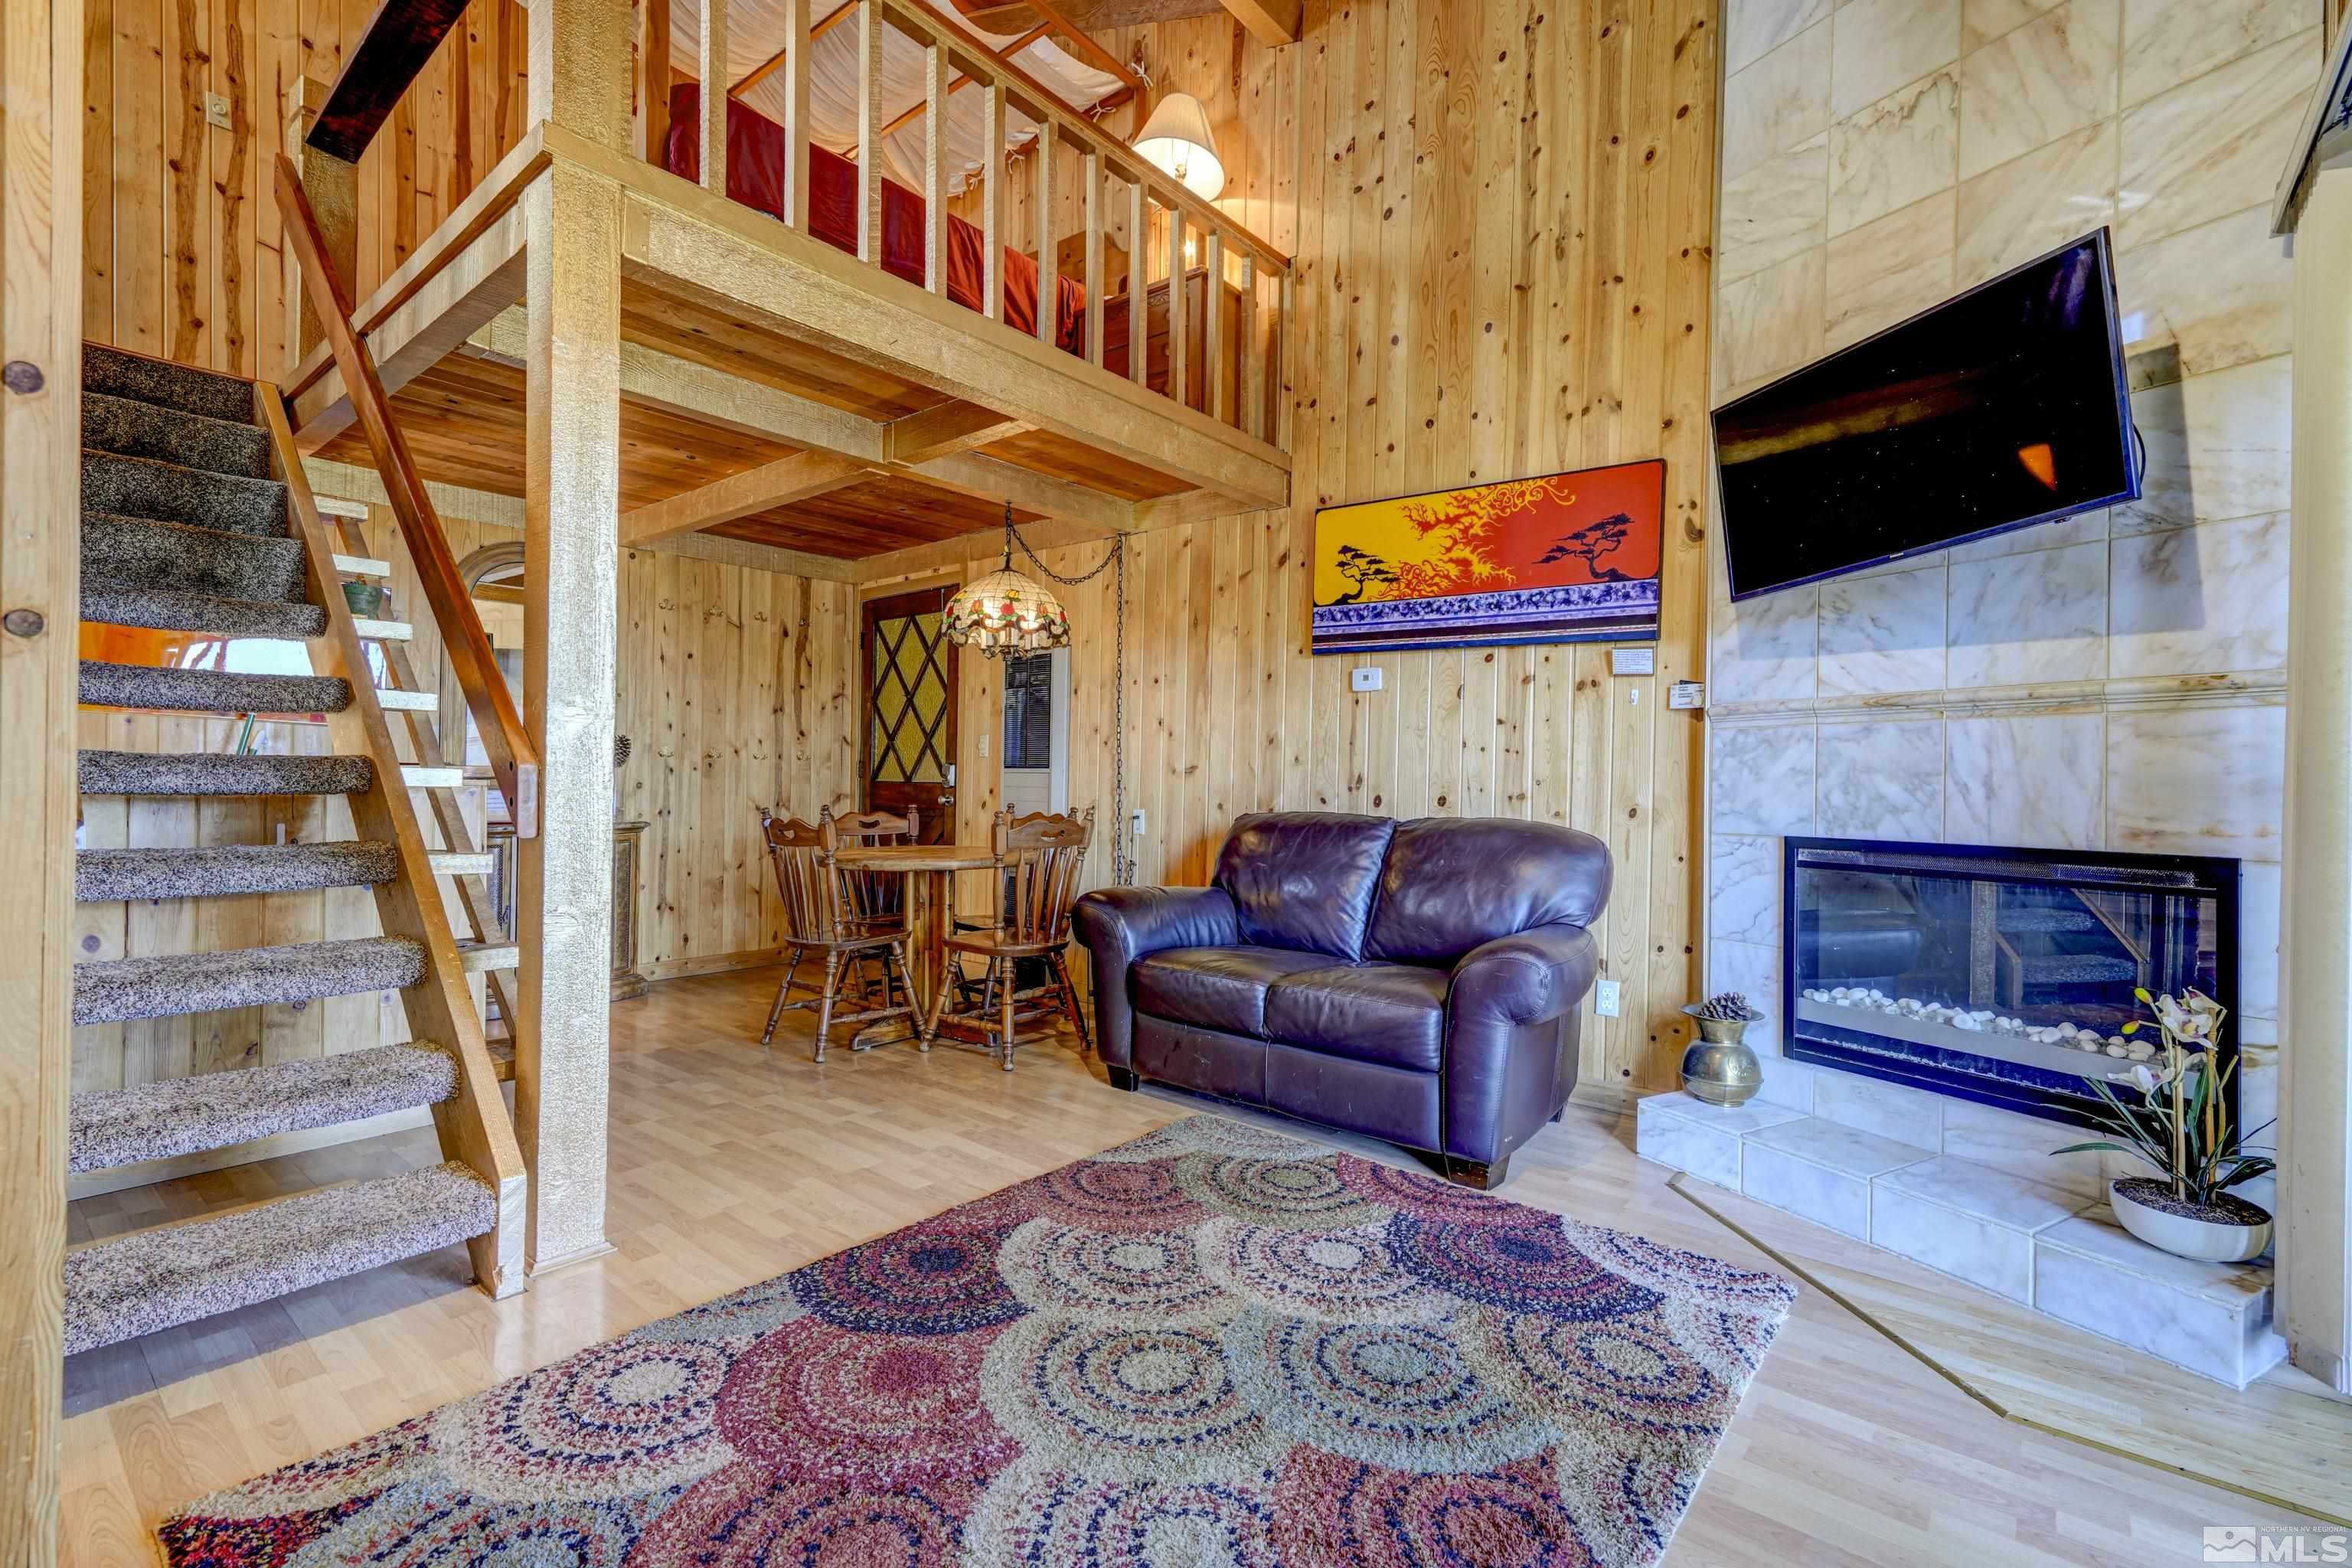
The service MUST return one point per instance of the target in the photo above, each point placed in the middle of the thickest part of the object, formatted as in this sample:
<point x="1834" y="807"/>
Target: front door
<point x="910" y="710"/>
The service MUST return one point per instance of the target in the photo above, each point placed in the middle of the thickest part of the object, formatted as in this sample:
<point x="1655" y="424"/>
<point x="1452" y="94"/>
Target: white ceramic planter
<point x="2184" y="1236"/>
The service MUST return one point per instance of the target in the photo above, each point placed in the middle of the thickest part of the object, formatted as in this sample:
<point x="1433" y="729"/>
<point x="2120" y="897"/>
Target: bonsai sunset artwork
<point x="1565" y="558"/>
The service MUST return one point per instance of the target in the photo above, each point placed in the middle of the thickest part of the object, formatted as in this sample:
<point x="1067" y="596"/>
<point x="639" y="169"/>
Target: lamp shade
<point x="1177" y="138"/>
<point x="1007" y="612"/>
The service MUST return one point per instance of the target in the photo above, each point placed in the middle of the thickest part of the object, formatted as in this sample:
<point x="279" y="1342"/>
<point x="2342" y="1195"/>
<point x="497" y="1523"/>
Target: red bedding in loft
<point x="757" y="155"/>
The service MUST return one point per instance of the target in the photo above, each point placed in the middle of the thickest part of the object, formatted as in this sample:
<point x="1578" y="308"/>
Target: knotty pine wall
<point x="1501" y="220"/>
<point x="180" y="236"/>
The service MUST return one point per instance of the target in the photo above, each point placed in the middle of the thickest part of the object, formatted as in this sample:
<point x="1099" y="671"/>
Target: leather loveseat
<point x="1417" y="981"/>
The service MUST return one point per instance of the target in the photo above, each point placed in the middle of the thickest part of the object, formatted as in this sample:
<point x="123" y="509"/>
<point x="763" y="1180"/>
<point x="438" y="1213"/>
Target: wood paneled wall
<point x="1501" y="226"/>
<point x="180" y="237"/>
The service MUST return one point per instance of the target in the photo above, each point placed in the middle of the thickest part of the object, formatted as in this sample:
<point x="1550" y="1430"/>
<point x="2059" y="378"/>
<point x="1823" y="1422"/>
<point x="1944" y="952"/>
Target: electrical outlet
<point x="1138" y="822"/>
<point x="983" y="742"/>
<point x="1607" y="998"/>
<point x="217" y="110"/>
<point x="1367" y="679"/>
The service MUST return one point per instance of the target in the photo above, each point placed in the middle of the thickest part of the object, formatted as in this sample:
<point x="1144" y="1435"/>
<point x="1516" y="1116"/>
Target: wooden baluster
<point x="796" y="114"/>
<point x="991" y="200"/>
<point x="1049" y="268"/>
<point x="1178" y="360"/>
<point x="935" y="167"/>
<point x="1094" y="262"/>
<point x="657" y="83"/>
<point x="1213" y="359"/>
<point x="1287" y="305"/>
<point x="710" y="59"/>
<point x="1253" y="353"/>
<point x="1138" y="286"/>
<point x="869" y="132"/>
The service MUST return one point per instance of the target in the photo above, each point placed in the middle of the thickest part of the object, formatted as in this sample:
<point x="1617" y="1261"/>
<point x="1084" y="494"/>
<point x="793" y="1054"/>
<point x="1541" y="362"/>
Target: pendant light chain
<point x="1122" y="863"/>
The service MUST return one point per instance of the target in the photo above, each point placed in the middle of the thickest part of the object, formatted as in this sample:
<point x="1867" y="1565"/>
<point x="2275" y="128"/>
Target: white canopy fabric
<point x="756" y="30"/>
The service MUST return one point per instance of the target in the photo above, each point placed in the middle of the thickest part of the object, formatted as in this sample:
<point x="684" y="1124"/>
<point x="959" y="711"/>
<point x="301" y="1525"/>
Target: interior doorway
<point x="909" y="741"/>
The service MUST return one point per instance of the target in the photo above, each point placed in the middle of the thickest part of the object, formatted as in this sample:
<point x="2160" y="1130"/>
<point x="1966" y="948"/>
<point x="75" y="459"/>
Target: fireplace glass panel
<point x="2001" y="975"/>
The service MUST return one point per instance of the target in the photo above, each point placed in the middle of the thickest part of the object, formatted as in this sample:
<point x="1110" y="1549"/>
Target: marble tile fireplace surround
<point x="1926" y="990"/>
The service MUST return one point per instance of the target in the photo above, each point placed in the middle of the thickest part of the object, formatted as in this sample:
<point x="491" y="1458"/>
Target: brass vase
<point x="1719" y="1067"/>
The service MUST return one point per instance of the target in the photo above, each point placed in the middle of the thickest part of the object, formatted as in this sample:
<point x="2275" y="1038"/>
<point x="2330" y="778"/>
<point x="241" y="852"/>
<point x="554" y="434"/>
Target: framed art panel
<point x="1566" y="558"/>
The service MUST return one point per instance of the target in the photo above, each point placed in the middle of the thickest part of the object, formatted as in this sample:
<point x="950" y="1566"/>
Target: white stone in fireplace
<point x="1968" y="1192"/>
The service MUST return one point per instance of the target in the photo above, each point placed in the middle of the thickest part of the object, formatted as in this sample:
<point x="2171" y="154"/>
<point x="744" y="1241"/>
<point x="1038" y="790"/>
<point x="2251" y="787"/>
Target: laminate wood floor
<point x="731" y="1165"/>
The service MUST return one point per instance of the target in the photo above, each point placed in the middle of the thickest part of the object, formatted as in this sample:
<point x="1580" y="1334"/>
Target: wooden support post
<point x="711" y="60"/>
<point x="1138" y="286"/>
<point x="869" y="134"/>
<point x="1177" y="357"/>
<point x="571" y="506"/>
<point x="992" y="201"/>
<point x="332" y="187"/>
<point x="40" y="430"/>
<point x="796" y="114"/>
<point x="1094" y="278"/>
<point x="935" y="167"/>
<point x="1048" y="274"/>
<point x="2315" y="1091"/>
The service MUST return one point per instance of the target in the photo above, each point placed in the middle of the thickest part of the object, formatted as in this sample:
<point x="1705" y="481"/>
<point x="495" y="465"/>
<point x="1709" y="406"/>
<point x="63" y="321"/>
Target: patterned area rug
<point x="1211" y="1346"/>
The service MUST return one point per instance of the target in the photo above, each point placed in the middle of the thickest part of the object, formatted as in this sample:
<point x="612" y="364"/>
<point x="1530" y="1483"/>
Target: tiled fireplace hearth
<point x="2050" y="1248"/>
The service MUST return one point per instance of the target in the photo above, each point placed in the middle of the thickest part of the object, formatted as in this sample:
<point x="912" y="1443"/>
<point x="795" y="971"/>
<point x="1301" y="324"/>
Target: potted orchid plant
<point x="2180" y="1127"/>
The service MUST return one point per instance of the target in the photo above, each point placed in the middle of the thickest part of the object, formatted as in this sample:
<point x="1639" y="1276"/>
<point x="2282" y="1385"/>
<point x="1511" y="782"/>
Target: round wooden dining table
<point x="929" y="870"/>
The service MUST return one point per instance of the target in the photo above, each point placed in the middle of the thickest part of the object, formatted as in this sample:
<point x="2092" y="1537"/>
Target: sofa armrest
<point x="1504" y="1037"/>
<point x="1120" y="925"/>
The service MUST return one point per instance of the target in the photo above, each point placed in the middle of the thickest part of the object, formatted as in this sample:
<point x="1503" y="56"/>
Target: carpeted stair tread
<point x="210" y="690"/>
<point x="142" y="487"/>
<point x="2048" y="921"/>
<point x="155" y="1280"/>
<point x="113" y="373"/>
<point x="110" y="991"/>
<point x="219" y="870"/>
<point x="134" y="429"/>
<point x="164" y="611"/>
<point x="138" y="553"/>
<point x="204" y="772"/>
<point x="219" y="1110"/>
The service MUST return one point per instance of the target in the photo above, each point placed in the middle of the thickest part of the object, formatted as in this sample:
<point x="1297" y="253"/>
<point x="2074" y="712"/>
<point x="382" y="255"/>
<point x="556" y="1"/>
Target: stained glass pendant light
<point x="1007" y="612"/>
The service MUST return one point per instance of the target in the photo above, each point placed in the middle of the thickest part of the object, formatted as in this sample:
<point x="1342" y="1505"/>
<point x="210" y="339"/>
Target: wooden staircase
<point x="198" y="518"/>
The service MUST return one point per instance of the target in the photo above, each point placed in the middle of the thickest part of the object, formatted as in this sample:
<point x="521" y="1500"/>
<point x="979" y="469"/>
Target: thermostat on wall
<point x="1633" y="661"/>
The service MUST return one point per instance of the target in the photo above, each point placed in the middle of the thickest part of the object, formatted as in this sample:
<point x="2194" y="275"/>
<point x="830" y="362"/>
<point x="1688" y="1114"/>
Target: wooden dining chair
<point x="1040" y="856"/>
<point x="877" y="898"/>
<point x="819" y="918"/>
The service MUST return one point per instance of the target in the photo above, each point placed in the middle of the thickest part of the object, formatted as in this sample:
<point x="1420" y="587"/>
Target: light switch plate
<point x="1138" y="822"/>
<point x="1367" y="679"/>
<point x="217" y="110"/>
<point x="1607" y="998"/>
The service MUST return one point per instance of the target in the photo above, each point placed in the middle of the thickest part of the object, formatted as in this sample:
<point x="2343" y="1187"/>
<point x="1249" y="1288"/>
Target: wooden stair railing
<point x="1240" y="351"/>
<point x="473" y="1124"/>
<point x="513" y="759"/>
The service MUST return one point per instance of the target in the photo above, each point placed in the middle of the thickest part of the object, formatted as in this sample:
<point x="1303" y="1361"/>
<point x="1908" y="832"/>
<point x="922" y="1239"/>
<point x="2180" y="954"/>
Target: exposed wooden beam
<point x="1093" y="16"/>
<point x="800" y="477"/>
<point x="945" y="430"/>
<point x="1273" y="23"/>
<point x="400" y="38"/>
<point x="775" y="62"/>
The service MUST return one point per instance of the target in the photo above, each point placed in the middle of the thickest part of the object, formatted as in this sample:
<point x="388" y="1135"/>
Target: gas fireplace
<point x="1999" y="975"/>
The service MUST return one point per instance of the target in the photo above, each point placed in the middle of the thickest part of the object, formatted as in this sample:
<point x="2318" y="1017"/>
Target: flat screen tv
<point x="2001" y="408"/>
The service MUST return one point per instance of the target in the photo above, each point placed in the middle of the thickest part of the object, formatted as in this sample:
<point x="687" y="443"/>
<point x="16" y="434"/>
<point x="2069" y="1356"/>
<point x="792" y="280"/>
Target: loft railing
<point x="1244" y="282"/>
<point x="512" y="758"/>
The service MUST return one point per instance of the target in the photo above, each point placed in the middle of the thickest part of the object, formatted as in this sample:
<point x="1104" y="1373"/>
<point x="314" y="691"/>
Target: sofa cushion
<point x="1388" y="1013"/>
<point x="1304" y="879"/>
<point x="1215" y="988"/>
<point x="1453" y="883"/>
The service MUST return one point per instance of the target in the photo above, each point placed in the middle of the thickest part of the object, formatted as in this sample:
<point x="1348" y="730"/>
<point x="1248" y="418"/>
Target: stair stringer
<point x="473" y="1124"/>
